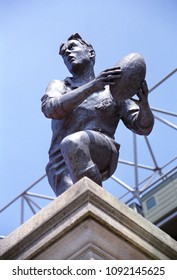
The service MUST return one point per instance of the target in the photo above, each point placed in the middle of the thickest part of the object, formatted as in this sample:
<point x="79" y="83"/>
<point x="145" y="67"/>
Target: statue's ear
<point x="92" y="53"/>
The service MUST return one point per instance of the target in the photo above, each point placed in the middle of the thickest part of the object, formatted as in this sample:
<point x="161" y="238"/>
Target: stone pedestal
<point x="86" y="222"/>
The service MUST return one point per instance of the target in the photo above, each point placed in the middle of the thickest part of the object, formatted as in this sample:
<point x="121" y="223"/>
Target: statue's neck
<point x="82" y="78"/>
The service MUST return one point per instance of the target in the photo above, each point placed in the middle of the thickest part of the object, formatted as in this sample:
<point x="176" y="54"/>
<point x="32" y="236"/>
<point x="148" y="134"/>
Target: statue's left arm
<point x="136" y="113"/>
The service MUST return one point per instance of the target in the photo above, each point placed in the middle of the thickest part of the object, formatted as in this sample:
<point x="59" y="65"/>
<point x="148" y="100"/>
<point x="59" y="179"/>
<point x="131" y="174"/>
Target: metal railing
<point x="26" y="196"/>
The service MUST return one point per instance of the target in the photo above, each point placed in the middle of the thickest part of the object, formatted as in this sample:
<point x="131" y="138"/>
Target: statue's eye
<point x="72" y="46"/>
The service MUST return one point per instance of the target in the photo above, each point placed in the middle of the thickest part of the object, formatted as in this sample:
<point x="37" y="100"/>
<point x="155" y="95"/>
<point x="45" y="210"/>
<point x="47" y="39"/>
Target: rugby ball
<point x="133" y="74"/>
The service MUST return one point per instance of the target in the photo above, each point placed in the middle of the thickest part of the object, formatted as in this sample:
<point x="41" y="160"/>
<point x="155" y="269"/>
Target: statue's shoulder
<point x="56" y="86"/>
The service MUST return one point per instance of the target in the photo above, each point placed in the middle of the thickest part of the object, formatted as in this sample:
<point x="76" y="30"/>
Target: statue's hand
<point x="142" y="95"/>
<point x="107" y="77"/>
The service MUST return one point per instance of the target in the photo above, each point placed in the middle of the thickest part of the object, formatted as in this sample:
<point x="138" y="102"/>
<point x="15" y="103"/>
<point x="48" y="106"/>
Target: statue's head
<point x="78" y="38"/>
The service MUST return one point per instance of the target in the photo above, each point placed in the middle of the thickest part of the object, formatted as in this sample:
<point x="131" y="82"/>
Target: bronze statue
<point x="85" y="117"/>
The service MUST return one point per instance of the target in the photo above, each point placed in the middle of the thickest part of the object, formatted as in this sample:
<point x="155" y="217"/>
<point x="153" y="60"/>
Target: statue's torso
<point x="98" y="112"/>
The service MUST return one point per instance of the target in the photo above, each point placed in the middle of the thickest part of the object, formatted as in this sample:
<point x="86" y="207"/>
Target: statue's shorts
<point x="104" y="152"/>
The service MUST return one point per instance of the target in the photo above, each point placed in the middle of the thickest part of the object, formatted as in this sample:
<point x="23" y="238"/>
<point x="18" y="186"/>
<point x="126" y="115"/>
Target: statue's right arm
<point x="51" y="100"/>
<point x="58" y="102"/>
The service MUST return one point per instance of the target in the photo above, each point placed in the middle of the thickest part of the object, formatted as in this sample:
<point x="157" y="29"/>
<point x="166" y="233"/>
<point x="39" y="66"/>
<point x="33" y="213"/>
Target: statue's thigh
<point x="100" y="149"/>
<point x="85" y="147"/>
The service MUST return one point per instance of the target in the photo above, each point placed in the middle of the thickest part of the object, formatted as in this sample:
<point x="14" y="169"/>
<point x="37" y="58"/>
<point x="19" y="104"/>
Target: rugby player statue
<point x="85" y="111"/>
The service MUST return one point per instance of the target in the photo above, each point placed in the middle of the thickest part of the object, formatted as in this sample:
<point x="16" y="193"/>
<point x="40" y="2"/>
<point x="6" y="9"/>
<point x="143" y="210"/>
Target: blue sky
<point x="31" y="32"/>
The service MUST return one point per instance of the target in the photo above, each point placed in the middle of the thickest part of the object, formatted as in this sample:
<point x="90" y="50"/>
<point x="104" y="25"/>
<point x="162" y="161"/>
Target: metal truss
<point x="158" y="172"/>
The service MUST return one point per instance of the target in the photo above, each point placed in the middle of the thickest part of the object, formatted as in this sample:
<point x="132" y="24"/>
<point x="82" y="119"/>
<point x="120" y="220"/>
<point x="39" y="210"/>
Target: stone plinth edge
<point x="86" y="222"/>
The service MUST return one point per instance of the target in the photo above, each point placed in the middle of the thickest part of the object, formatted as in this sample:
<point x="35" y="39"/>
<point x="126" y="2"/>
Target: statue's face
<point x="75" y="55"/>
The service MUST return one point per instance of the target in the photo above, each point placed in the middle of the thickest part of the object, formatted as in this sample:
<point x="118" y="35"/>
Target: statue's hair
<point x="77" y="37"/>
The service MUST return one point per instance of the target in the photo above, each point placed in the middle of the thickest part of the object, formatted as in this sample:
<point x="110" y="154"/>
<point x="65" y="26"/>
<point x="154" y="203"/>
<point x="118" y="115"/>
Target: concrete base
<point x="86" y="222"/>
